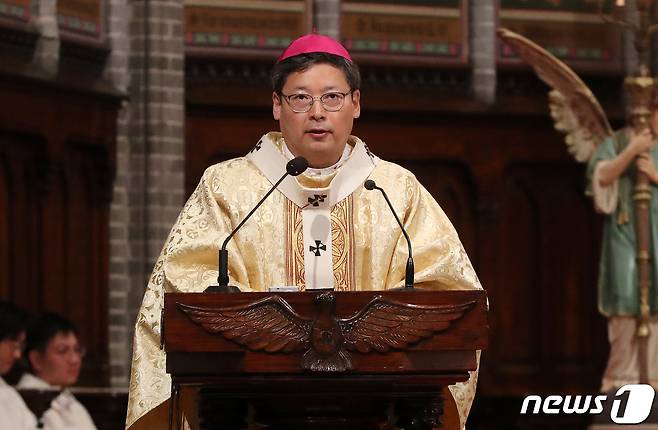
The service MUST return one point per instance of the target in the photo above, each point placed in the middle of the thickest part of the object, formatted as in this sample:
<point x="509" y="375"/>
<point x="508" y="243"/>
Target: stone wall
<point x="147" y="62"/>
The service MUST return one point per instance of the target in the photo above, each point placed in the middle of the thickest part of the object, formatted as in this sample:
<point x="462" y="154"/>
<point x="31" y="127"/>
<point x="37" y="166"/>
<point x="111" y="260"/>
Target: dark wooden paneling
<point x="23" y="157"/>
<point x="544" y="297"/>
<point x="4" y="228"/>
<point x="56" y="158"/>
<point x="217" y="135"/>
<point x="516" y="199"/>
<point x="514" y="341"/>
<point x="451" y="185"/>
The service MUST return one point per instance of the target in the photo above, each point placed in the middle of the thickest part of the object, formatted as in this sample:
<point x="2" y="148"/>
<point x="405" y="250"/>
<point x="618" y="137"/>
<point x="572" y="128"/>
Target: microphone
<point x="294" y="167"/>
<point x="409" y="272"/>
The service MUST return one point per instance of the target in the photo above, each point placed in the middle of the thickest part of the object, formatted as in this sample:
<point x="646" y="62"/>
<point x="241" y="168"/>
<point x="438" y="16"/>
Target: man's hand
<point x="646" y="165"/>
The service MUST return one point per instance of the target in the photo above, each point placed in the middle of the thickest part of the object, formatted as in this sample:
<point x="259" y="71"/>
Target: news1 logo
<point x="631" y="404"/>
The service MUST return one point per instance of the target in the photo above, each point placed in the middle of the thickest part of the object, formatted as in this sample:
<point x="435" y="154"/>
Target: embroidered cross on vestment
<point x="319" y="246"/>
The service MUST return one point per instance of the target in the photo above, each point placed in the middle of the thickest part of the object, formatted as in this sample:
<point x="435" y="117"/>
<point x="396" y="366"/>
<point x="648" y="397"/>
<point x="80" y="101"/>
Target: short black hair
<point x="44" y="328"/>
<point x="299" y="63"/>
<point x="13" y="320"/>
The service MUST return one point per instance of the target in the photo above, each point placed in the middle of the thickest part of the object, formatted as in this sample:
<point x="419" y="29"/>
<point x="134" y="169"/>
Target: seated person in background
<point x="14" y="414"/>
<point x="54" y="356"/>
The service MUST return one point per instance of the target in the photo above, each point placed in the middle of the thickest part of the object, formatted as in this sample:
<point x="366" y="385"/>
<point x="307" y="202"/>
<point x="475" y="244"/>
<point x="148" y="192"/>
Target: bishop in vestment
<point x="320" y="229"/>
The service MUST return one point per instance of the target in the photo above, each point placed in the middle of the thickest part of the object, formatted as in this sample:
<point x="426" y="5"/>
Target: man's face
<point x="60" y="363"/>
<point x="318" y="135"/>
<point x="10" y="351"/>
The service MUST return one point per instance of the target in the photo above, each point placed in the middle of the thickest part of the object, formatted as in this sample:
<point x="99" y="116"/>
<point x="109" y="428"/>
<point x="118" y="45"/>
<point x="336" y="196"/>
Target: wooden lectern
<point x="321" y="360"/>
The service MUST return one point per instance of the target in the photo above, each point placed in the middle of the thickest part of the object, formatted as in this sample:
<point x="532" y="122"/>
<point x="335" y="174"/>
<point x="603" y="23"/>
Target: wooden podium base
<point x="329" y="360"/>
<point x="301" y="410"/>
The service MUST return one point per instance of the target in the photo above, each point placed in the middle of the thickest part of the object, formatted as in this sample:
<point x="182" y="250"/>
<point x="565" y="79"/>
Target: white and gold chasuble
<point x="313" y="253"/>
<point x="317" y="231"/>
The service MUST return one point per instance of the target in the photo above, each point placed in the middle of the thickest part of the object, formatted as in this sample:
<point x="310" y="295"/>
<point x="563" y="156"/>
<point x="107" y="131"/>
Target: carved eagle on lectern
<point x="272" y="325"/>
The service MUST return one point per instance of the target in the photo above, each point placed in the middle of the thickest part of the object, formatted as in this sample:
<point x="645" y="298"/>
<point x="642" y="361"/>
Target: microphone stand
<point x="409" y="271"/>
<point x="294" y="167"/>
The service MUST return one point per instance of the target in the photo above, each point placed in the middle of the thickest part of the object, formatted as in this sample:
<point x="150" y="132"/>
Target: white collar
<point x="33" y="382"/>
<point x="269" y="158"/>
<point x="324" y="171"/>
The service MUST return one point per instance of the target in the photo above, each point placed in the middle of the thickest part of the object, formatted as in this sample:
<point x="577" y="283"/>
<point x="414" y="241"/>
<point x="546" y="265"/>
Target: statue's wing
<point x="575" y="110"/>
<point x="269" y="324"/>
<point x="384" y="324"/>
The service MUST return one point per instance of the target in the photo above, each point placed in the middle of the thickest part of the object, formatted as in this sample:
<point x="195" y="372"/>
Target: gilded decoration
<point x="342" y="238"/>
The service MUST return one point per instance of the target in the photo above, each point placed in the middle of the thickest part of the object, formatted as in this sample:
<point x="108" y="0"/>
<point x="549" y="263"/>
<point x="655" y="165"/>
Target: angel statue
<point x="622" y="177"/>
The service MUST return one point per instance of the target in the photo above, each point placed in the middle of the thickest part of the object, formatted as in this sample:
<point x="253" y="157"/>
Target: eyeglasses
<point x="331" y="101"/>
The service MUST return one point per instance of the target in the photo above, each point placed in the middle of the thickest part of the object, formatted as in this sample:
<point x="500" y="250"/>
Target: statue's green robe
<point x="618" y="273"/>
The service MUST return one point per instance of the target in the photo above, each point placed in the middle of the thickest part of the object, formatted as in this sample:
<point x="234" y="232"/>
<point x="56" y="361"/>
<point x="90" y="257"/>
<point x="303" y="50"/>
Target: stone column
<point x="483" y="49"/>
<point x="326" y="19"/>
<point x="148" y="63"/>
<point x="117" y="72"/>
<point x="46" y="53"/>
